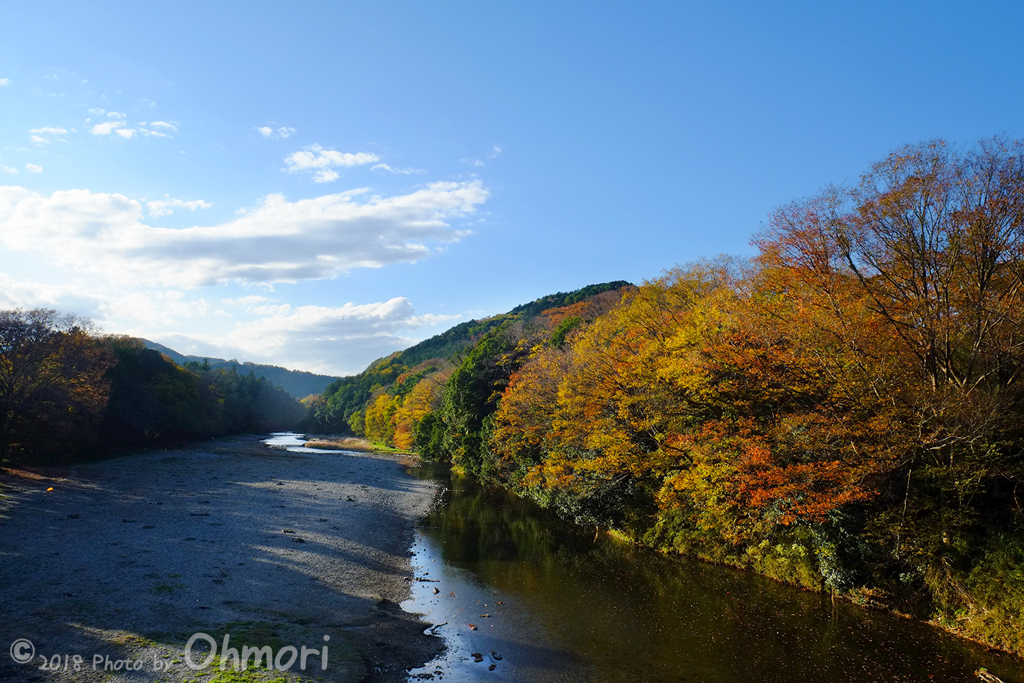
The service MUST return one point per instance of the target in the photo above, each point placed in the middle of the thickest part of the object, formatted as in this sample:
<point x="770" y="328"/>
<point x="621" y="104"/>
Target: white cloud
<point x="8" y="169"/>
<point x="116" y="115"/>
<point x="108" y="127"/>
<point x="278" y="241"/>
<point x="321" y="161"/>
<point x="397" y="171"/>
<point x="325" y="175"/>
<point x="103" y="304"/>
<point x="246" y="300"/>
<point x="40" y="141"/>
<point x="97" y="111"/>
<point x="5" y="81"/>
<point x="472" y="162"/>
<point x="160" y="307"/>
<point x="48" y="129"/>
<point x="105" y="128"/>
<point x="336" y="340"/>
<point x="495" y="151"/>
<point x="276" y="310"/>
<point x="32" y="168"/>
<point x="282" y="132"/>
<point x="163" y="124"/>
<point x="165" y="207"/>
<point x="68" y="298"/>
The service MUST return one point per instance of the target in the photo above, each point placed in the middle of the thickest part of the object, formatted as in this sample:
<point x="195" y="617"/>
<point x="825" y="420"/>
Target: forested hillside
<point x="843" y="412"/>
<point x="67" y="392"/>
<point x="386" y="402"/>
<point x="298" y="383"/>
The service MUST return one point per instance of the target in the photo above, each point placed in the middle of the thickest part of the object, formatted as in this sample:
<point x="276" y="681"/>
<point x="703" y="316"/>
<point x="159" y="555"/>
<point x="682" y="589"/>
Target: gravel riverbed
<point x="126" y="560"/>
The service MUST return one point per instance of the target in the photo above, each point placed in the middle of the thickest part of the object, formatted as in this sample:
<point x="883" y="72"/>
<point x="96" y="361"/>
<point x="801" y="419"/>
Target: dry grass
<point x="350" y="443"/>
<point x="15" y="471"/>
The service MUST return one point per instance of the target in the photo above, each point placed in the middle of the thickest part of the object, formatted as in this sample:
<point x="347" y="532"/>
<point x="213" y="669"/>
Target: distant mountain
<point x="439" y="347"/>
<point x="296" y="382"/>
<point x="170" y="353"/>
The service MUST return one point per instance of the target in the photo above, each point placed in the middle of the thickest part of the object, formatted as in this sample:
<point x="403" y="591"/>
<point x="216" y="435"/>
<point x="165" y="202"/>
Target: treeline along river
<point x="843" y="412"/>
<point x="575" y="607"/>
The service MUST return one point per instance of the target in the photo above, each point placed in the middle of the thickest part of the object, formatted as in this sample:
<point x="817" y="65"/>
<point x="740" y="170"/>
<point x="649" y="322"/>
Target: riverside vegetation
<point x="70" y="393"/>
<point x="843" y="412"/>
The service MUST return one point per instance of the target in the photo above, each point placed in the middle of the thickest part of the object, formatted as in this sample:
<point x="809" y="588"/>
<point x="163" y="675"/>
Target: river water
<point x="296" y="443"/>
<point x="549" y="602"/>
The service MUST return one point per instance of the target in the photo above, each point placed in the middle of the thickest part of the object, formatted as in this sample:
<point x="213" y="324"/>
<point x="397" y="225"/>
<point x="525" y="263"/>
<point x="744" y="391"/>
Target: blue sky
<point x="315" y="185"/>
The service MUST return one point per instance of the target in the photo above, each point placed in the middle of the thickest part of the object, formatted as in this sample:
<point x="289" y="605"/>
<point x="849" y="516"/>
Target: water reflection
<point x="576" y="608"/>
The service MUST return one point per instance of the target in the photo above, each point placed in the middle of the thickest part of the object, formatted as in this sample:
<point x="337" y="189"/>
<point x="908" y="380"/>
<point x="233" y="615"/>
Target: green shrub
<point x="987" y="602"/>
<point x="790" y="561"/>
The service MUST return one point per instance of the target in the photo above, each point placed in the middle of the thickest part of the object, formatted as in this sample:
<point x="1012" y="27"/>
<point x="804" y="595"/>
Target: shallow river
<point x="549" y="602"/>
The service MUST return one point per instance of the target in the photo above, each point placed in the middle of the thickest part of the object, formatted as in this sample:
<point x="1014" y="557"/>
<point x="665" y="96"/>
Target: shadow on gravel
<point x="128" y="558"/>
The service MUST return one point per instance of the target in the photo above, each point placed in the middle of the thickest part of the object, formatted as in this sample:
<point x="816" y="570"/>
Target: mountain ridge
<point x="297" y="383"/>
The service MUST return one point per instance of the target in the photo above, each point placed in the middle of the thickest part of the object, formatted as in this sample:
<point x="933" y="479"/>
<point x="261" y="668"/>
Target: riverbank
<point x="550" y="602"/>
<point x="127" y="559"/>
<point x="862" y="597"/>
<point x="351" y="443"/>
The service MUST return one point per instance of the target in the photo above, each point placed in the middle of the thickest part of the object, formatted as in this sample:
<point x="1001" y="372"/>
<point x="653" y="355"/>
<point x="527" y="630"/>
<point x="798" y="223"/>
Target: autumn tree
<point x="691" y="394"/>
<point x="589" y="422"/>
<point x="422" y="400"/>
<point x="378" y="423"/>
<point x="929" y="246"/>
<point x="52" y="390"/>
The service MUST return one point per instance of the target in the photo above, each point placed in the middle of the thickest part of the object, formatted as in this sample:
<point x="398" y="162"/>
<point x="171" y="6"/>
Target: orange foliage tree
<point x="915" y="276"/>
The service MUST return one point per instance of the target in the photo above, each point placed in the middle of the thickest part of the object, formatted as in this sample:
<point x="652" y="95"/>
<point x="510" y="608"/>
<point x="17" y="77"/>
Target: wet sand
<point x="127" y="559"/>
